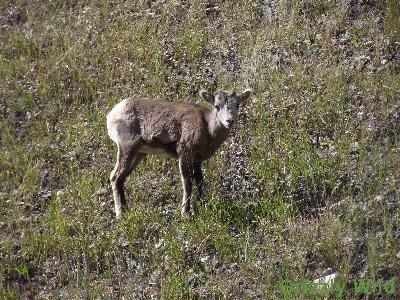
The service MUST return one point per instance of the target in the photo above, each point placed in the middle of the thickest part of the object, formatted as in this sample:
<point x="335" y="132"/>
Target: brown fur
<point x="180" y="128"/>
<point x="141" y="126"/>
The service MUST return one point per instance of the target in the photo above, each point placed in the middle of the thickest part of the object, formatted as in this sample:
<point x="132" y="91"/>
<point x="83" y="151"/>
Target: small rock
<point x="60" y="192"/>
<point x="101" y="191"/>
<point x="204" y="259"/>
<point x="122" y="241"/>
<point x="160" y="243"/>
<point x="44" y="194"/>
<point x="329" y="279"/>
<point x="154" y="277"/>
<point x="398" y="255"/>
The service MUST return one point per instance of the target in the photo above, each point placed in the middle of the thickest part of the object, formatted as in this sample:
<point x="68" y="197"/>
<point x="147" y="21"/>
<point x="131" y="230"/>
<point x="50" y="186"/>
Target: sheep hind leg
<point x="198" y="177"/>
<point x="128" y="158"/>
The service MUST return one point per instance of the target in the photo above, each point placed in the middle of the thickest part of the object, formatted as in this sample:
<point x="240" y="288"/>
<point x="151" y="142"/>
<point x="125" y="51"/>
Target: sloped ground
<point x="307" y="185"/>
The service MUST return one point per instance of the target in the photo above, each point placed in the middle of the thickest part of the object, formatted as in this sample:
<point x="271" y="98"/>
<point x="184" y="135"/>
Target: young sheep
<point x="189" y="132"/>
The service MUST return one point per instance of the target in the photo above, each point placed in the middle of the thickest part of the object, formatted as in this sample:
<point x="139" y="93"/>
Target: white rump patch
<point x="114" y="117"/>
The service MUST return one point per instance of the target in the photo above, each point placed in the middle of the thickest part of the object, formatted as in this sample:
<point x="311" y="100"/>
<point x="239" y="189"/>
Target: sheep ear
<point x="207" y="96"/>
<point x="245" y="95"/>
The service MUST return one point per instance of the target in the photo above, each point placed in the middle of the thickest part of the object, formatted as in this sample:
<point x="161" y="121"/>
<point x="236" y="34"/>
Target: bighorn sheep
<point x="189" y="132"/>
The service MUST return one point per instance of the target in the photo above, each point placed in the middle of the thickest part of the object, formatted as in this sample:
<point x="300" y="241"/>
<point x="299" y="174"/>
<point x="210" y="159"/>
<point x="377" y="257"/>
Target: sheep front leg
<point x="186" y="170"/>
<point x="198" y="177"/>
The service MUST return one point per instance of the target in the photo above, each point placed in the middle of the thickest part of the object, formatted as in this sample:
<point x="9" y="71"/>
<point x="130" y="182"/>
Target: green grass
<point x="308" y="181"/>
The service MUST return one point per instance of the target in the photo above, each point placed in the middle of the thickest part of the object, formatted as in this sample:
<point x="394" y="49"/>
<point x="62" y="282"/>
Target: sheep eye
<point x="217" y="107"/>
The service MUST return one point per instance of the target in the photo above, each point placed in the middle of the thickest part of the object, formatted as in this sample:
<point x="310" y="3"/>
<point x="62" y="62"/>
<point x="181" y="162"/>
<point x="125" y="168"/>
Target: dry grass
<point x="307" y="184"/>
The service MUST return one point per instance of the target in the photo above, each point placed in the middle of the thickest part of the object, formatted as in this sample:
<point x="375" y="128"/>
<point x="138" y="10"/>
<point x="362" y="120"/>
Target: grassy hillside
<point x="308" y="183"/>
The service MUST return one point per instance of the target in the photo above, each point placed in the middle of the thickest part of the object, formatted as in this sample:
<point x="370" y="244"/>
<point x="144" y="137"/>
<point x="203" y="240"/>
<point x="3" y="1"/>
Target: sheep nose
<point x="230" y="122"/>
